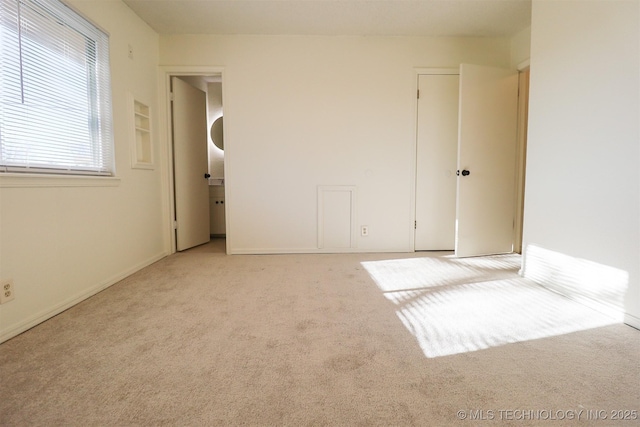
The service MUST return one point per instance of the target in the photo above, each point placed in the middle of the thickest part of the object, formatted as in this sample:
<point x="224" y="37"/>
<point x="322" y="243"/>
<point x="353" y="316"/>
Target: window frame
<point x="96" y="84"/>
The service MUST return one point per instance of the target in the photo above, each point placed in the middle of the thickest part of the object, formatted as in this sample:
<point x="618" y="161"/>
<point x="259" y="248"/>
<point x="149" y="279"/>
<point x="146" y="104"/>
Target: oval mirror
<point x="217" y="134"/>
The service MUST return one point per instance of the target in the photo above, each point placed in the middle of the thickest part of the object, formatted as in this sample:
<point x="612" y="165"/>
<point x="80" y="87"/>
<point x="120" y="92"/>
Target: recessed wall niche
<point x="141" y="143"/>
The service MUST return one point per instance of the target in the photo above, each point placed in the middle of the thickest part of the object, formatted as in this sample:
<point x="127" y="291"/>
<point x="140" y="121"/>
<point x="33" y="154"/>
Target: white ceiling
<point x="484" y="18"/>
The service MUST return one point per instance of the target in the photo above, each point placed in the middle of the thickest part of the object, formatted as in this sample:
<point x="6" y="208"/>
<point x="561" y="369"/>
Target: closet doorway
<point x="466" y="160"/>
<point x="436" y="160"/>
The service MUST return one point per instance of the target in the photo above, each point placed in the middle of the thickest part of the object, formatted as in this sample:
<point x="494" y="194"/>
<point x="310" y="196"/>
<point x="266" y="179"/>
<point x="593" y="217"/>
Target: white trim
<point x="437" y="71"/>
<point x="166" y="152"/>
<point x="19" y="180"/>
<point x="569" y="276"/>
<point x="46" y="314"/>
<point x="293" y="251"/>
<point x="195" y="70"/>
<point x="632" y="320"/>
<point x="84" y="16"/>
<point x="521" y="160"/>
<point x="524" y="65"/>
<point x="414" y="150"/>
<point x="137" y="163"/>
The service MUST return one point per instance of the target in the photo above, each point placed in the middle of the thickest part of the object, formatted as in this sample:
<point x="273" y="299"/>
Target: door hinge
<point x="418" y="93"/>
<point x="175" y="225"/>
<point x="415" y="225"/>
<point x="170" y="96"/>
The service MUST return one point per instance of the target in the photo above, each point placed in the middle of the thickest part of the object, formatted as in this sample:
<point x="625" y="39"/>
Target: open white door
<point x="486" y="161"/>
<point x="190" y="164"/>
<point x="436" y="157"/>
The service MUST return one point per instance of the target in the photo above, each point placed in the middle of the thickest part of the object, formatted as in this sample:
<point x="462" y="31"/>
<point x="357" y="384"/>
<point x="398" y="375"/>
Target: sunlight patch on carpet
<point x="457" y="305"/>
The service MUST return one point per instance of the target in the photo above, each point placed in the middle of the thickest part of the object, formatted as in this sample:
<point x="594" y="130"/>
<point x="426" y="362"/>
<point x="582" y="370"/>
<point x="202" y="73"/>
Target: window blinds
<point x="55" y="106"/>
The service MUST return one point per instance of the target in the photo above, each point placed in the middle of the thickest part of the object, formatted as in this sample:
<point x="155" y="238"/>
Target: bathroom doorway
<point x="212" y="198"/>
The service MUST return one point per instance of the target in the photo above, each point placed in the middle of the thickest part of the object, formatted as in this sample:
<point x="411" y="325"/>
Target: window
<point x="55" y="95"/>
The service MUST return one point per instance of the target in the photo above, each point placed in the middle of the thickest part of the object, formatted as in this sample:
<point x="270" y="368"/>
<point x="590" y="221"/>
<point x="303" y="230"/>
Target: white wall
<point x="62" y="241"/>
<point x="307" y="111"/>
<point x="214" y="111"/>
<point x="583" y="184"/>
<point x="196" y="81"/>
<point x="520" y="47"/>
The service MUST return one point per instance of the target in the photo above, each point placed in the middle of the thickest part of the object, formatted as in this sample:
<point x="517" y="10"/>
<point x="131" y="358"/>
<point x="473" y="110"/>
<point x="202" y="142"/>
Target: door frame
<point x="521" y="154"/>
<point x="414" y="167"/>
<point x="521" y="149"/>
<point x="166" y="143"/>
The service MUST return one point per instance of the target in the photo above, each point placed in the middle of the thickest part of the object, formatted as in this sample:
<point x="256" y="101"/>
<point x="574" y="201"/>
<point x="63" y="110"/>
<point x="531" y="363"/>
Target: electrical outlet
<point x="7" y="292"/>
<point x="364" y="230"/>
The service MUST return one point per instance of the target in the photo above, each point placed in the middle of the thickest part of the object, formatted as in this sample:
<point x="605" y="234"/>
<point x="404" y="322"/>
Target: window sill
<point x="17" y="180"/>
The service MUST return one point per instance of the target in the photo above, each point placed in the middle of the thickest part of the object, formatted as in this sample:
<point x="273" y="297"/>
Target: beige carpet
<point x="201" y="339"/>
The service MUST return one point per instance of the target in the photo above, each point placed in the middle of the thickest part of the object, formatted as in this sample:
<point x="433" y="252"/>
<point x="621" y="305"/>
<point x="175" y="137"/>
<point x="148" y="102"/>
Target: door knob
<point x="465" y="172"/>
<point x="207" y="176"/>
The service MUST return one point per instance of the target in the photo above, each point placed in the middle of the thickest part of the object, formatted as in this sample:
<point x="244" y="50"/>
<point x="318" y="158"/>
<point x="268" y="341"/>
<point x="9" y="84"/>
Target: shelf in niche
<point x="141" y="145"/>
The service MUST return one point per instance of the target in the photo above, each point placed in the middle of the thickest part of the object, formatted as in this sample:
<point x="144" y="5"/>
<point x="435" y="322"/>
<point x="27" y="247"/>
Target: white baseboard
<point x="271" y="251"/>
<point x="632" y="320"/>
<point x="280" y="251"/>
<point x="70" y="302"/>
<point x="598" y="286"/>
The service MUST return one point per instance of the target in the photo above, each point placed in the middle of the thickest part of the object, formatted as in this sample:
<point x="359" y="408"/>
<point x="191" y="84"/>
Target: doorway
<point x="479" y="136"/>
<point x="521" y="159"/>
<point x="436" y="160"/>
<point x="208" y="168"/>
